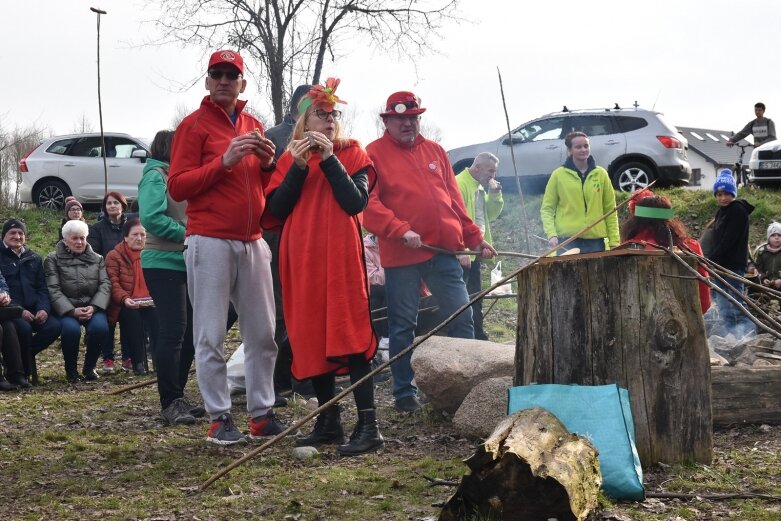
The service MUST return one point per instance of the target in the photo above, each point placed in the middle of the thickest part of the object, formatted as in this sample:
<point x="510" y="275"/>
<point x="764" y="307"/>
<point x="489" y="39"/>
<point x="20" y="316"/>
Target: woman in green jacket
<point x="578" y="193"/>
<point x="162" y="261"/>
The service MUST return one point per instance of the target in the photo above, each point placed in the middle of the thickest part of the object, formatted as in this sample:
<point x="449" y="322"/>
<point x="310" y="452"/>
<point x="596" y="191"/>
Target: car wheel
<point x="51" y="194"/>
<point x="632" y="176"/>
<point x="460" y="165"/>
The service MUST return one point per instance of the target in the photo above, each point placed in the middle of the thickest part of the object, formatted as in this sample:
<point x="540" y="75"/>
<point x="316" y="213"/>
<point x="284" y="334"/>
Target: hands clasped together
<point x="313" y="141"/>
<point x="246" y="144"/>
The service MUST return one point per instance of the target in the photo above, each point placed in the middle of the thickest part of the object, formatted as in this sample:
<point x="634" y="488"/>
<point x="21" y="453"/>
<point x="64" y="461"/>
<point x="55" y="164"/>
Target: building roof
<point x="712" y="145"/>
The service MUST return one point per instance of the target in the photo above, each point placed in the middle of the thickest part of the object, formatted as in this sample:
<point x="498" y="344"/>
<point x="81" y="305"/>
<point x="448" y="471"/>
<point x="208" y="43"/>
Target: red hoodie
<point x="416" y="190"/>
<point x="221" y="202"/>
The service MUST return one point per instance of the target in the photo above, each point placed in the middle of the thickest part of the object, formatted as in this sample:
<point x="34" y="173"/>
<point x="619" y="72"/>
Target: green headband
<point x="304" y="104"/>
<point x="654" y="213"/>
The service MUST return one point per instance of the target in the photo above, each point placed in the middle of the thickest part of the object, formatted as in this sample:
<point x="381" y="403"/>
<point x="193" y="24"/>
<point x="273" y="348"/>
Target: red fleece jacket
<point x="416" y="190"/>
<point x="221" y="202"/>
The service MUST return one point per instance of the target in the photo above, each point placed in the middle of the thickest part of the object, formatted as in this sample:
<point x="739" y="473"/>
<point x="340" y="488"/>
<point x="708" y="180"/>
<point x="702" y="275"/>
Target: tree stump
<point x="530" y="468"/>
<point x="630" y="317"/>
<point x="746" y="395"/>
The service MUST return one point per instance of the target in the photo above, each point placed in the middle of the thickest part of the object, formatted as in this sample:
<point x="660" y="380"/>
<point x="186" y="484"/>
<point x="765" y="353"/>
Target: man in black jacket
<point x="23" y="271"/>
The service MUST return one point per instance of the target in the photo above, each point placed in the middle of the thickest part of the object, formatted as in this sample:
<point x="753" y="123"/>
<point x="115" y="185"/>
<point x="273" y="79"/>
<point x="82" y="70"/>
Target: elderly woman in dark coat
<point x="80" y="291"/>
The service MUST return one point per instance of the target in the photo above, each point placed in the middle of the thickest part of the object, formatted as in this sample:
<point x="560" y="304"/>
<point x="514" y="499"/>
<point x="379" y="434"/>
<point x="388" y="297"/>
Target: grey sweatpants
<point x="219" y="271"/>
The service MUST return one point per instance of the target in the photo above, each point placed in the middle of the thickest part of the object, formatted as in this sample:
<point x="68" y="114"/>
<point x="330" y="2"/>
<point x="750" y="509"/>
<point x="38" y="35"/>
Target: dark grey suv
<point x="635" y="145"/>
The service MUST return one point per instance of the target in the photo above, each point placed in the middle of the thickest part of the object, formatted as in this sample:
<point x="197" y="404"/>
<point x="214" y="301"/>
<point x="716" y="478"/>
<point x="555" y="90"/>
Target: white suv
<point x="73" y="165"/>
<point x="635" y="145"/>
<point x="765" y="164"/>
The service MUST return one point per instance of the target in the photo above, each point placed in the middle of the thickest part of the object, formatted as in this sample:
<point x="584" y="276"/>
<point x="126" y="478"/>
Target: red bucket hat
<point x="229" y="57"/>
<point x="403" y="104"/>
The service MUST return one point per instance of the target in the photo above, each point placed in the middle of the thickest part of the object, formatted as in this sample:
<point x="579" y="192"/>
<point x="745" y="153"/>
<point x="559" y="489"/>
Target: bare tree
<point x="290" y="40"/>
<point x="180" y="112"/>
<point x="14" y="145"/>
<point x="82" y="125"/>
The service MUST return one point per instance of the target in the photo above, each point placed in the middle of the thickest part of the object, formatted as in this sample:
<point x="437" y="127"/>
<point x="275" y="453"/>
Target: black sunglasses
<point x="218" y="75"/>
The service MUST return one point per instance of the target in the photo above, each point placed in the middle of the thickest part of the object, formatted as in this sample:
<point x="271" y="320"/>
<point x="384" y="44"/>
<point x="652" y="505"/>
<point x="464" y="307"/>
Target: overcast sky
<point x="703" y="63"/>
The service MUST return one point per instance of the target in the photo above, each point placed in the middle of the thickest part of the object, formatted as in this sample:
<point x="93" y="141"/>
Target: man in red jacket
<point x="417" y="202"/>
<point x="220" y="162"/>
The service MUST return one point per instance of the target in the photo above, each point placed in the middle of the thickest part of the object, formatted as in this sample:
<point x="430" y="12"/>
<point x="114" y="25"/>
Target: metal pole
<point x="100" y="107"/>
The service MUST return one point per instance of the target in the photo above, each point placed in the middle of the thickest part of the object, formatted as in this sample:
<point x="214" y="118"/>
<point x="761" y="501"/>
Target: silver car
<point x="73" y="165"/>
<point x="636" y="146"/>
<point x="765" y="164"/>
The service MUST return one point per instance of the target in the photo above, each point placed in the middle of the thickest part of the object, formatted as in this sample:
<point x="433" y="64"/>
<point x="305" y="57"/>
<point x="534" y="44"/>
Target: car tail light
<point x="23" y="162"/>
<point x="669" y="142"/>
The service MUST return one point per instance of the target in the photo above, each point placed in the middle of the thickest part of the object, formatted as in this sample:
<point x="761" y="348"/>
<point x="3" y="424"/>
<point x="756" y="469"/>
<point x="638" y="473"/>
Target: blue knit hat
<point x="726" y="183"/>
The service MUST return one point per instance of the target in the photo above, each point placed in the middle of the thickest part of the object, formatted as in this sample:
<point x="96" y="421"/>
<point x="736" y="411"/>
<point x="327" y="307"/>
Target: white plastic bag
<point x="235" y="366"/>
<point x="496" y="276"/>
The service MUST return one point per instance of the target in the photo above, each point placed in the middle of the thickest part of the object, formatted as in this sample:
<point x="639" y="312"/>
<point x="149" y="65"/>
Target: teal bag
<point x="600" y="413"/>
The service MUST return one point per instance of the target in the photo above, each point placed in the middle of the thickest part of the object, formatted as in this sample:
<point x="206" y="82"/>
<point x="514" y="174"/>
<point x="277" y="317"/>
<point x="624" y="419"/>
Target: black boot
<point x="72" y="375"/>
<point x="328" y="429"/>
<point x="5" y="385"/>
<point x="366" y="436"/>
<point x="139" y="369"/>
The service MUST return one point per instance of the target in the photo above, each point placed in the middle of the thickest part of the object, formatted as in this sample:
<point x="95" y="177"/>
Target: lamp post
<point x="99" y="12"/>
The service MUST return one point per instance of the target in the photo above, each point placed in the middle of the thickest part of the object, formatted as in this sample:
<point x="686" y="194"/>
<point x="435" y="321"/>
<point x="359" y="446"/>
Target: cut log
<point x="628" y="317"/>
<point x="746" y="395"/>
<point x="530" y="468"/>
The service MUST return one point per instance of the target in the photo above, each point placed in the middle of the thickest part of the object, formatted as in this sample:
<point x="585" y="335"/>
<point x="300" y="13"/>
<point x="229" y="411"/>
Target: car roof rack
<point x="615" y="108"/>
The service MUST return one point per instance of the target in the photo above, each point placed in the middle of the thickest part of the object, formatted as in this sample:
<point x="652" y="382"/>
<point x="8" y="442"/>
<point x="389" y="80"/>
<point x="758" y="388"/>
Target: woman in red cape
<point x="319" y="189"/>
<point x="651" y="222"/>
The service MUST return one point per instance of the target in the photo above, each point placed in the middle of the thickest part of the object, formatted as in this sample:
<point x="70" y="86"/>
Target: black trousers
<point x="474" y="285"/>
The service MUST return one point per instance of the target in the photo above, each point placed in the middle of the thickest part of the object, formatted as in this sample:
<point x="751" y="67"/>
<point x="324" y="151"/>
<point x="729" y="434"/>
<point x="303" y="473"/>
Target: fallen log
<point x="746" y="395"/>
<point x="530" y="468"/>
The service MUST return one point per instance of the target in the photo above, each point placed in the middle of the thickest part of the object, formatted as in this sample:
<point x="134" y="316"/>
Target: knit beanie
<point x="10" y="224"/>
<point x="726" y="183"/>
<point x="70" y="204"/>
<point x="773" y="228"/>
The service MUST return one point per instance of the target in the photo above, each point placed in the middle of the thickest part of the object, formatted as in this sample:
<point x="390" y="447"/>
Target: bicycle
<point x="741" y="170"/>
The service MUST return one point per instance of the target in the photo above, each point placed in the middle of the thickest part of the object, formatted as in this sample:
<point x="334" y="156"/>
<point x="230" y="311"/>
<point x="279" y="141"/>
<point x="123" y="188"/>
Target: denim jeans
<point x="474" y="285"/>
<point x="97" y="330"/>
<point x="34" y="338"/>
<point x="443" y="275"/>
<point x="732" y="319"/>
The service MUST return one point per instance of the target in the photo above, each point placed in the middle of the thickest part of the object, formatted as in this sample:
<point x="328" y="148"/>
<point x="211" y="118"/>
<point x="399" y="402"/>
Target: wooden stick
<point x="467" y="252"/>
<point x="729" y="297"/>
<point x="293" y="428"/>
<point x="515" y="167"/>
<point x="130" y="387"/>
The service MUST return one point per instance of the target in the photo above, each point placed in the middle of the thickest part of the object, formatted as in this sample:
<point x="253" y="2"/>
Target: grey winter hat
<point x="773" y="228"/>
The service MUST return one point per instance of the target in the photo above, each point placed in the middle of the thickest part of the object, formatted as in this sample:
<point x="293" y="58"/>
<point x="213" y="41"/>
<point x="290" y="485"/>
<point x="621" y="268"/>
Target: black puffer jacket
<point x="105" y="235"/>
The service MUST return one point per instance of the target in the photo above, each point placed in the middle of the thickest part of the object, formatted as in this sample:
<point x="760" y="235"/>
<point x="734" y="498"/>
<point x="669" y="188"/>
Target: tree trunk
<point x="622" y="317"/>
<point x="530" y="468"/>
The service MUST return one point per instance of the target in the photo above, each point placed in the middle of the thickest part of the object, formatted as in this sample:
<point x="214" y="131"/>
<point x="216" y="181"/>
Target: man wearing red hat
<point x="220" y="162"/>
<point x="416" y="202"/>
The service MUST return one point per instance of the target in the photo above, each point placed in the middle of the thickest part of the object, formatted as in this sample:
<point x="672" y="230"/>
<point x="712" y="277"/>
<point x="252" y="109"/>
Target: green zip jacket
<point x="494" y="202"/>
<point x="569" y="204"/>
<point x="163" y="218"/>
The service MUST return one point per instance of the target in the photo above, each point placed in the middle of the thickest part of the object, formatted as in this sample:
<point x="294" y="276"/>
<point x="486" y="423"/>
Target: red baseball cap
<point x="403" y="104"/>
<point x="229" y="57"/>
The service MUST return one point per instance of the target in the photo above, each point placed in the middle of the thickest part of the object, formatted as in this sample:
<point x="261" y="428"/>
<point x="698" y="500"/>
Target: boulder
<point x="446" y="369"/>
<point x="483" y="408"/>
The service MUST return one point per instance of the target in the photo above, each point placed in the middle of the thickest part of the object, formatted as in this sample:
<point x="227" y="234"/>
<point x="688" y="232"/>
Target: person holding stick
<point x="416" y="202"/>
<point x="578" y="192"/>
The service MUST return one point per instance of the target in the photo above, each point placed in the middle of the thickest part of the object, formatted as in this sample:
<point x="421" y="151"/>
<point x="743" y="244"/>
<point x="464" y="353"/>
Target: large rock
<point x="483" y="408"/>
<point x="446" y="369"/>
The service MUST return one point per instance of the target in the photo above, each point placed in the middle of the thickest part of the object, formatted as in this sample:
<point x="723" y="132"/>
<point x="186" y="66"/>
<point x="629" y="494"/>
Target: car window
<point x="593" y="125"/>
<point x="86" y="147"/>
<point x="61" y="146"/>
<point x="630" y="123"/>
<point x="121" y="147"/>
<point x="541" y="130"/>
